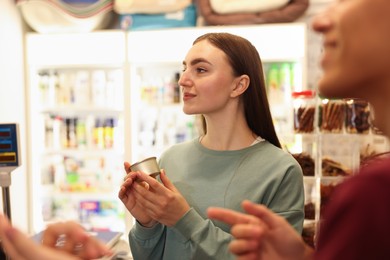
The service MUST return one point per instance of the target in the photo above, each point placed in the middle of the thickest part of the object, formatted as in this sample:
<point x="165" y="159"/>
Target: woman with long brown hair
<point x="238" y="156"/>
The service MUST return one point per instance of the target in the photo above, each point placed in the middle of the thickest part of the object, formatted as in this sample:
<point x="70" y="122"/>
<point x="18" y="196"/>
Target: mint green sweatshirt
<point x="261" y="173"/>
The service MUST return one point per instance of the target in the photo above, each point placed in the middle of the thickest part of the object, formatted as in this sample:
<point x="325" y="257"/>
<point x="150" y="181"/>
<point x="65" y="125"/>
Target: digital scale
<point x="9" y="147"/>
<point x="9" y="161"/>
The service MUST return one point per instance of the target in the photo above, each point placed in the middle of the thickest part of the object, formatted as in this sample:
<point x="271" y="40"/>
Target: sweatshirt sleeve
<point x="147" y="243"/>
<point x="288" y="201"/>
<point x="207" y="240"/>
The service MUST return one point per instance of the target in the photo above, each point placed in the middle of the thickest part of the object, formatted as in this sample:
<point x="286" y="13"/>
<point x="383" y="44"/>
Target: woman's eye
<point x="201" y="70"/>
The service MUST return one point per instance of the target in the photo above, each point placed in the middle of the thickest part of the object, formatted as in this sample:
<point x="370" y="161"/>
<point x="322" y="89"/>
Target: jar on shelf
<point x="331" y="116"/>
<point x="357" y="116"/>
<point x="304" y="107"/>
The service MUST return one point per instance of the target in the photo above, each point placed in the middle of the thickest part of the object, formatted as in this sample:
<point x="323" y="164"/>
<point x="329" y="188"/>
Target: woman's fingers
<point x="126" y="166"/>
<point x="152" y="182"/>
<point x="165" y="180"/>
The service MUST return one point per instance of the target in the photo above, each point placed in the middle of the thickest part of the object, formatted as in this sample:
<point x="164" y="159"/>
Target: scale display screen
<point x="5" y="133"/>
<point x="9" y="154"/>
<point x="7" y="158"/>
<point x="5" y="146"/>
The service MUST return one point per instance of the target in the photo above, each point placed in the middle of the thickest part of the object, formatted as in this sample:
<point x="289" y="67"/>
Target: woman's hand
<point x="127" y="196"/>
<point x="78" y="244"/>
<point x="161" y="201"/>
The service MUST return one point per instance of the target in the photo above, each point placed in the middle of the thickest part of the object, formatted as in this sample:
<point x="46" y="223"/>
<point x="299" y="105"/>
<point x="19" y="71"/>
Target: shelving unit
<point x="76" y="112"/>
<point x="330" y="157"/>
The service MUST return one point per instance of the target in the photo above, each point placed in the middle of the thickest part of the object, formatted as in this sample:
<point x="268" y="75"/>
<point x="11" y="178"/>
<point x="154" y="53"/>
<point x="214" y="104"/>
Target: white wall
<point x="12" y="102"/>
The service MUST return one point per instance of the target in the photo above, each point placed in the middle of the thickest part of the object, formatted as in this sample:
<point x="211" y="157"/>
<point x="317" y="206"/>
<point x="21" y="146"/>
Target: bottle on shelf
<point x="176" y="88"/>
<point x="71" y="134"/>
<point x="98" y="133"/>
<point x="81" y="133"/>
<point x="82" y="88"/>
<point x="109" y="133"/>
<point x="98" y="87"/>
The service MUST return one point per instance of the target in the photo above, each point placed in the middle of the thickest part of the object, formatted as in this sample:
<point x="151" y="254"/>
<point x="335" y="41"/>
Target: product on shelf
<point x="306" y="162"/>
<point x="70" y="140"/>
<point x="309" y="210"/>
<point x="357" y="116"/>
<point x="308" y="233"/>
<point x="331" y="116"/>
<point x="304" y="111"/>
<point x="84" y="87"/>
<point x="310" y="188"/>
<point x="74" y="132"/>
<point x="176" y="89"/>
<point x="333" y="168"/>
<point x="279" y="81"/>
<point x="161" y="90"/>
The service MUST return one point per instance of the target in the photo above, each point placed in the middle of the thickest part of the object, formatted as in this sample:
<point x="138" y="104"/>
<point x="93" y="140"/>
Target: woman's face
<point x="207" y="79"/>
<point x="356" y="51"/>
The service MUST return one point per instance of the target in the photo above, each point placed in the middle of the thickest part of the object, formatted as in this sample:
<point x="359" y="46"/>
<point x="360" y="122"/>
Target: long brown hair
<point x="244" y="59"/>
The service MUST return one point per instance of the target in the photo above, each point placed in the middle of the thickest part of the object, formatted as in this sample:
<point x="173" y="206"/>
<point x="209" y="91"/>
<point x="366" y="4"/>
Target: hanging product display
<point x="186" y="17"/>
<point x="245" y="6"/>
<point x="59" y="16"/>
<point x="149" y="6"/>
<point x="217" y="12"/>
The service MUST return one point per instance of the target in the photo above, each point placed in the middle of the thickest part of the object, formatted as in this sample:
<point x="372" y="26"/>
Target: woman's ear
<point x="241" y="85"/>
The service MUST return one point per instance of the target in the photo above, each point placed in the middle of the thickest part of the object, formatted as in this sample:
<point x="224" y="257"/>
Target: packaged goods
<point x="306" y="162"/>
<point x="304" y="106"/>
<point x="333" y="168"/>
<point x="331" y="116"/>
<point x="357" y="116"/>
<point x="309" y="210"/>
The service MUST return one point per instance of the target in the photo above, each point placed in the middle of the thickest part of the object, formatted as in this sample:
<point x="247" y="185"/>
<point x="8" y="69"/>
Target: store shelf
<point x="81" y="110"/>
<point x="76" y="111"/>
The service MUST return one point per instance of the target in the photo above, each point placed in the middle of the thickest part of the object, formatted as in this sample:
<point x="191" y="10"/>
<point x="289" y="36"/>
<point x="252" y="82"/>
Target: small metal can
<point x="148" y="166"/>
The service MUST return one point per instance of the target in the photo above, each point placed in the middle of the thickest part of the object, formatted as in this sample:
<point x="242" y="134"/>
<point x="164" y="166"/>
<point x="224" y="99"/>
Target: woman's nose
<point x="184" y="79"/>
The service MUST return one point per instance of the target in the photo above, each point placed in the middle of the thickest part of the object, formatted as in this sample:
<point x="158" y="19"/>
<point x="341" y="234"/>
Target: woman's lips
<point x="188" y="96"/>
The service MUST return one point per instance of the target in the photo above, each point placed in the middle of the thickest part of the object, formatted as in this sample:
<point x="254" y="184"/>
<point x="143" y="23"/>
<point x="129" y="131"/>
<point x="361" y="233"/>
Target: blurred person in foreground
<point x="356" y="63"/>
<point x="77" y="243"/>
